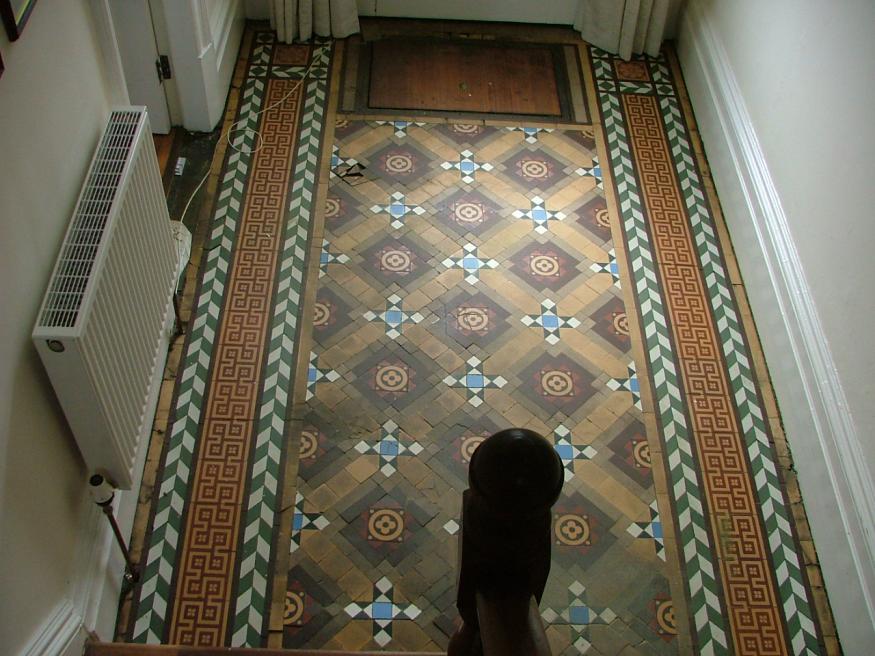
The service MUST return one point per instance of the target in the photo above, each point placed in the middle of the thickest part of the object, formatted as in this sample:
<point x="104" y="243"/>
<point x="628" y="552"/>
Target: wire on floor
<point x="259" y="142"/>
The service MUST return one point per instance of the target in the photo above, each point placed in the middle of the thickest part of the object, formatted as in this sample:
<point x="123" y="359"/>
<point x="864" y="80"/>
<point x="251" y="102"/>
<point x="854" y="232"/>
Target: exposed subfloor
<point x="377" y="294"/>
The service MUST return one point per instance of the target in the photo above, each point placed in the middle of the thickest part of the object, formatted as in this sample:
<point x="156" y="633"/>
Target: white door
<point x="135" y="34"/>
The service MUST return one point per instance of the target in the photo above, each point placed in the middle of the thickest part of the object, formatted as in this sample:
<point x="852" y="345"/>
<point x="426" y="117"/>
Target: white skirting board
<point x="59" y="635"/>
<point x="91" y="604"/>
<point x="838" y="492"/>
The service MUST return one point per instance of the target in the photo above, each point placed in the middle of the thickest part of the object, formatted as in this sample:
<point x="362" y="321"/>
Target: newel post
<point x="514" y="478"/>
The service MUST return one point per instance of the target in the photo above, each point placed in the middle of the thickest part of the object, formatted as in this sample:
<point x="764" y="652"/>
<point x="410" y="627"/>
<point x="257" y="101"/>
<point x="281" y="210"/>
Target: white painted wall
<point x="55" y="96"/>
<point x="560" y="12"/>
<point x="783" y="92"/>
<point x="556" y="12"/>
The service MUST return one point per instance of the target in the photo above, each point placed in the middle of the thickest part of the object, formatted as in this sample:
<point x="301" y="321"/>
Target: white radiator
<point x="105" y="321"/>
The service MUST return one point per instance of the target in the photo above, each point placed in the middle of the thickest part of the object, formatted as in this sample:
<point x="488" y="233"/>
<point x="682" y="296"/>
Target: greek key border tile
<point x="252" y="606"/>
<point x="771" y="502"/>
<point x="696" y="548"/>
<point x="154" y="592"/>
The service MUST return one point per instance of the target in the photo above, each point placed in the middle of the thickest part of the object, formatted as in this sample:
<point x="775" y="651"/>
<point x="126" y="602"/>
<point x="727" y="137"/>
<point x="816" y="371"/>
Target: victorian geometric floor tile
<point x="460" y="278"/>
<point x="470" y="302"/>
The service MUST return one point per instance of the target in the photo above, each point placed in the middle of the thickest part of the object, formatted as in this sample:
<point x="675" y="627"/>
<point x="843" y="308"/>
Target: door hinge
<point x="162" y="64"/>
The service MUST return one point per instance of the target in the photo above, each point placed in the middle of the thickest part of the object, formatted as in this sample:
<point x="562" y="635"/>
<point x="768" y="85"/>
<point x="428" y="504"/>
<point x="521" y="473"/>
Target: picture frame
<point x="15" y="14"/>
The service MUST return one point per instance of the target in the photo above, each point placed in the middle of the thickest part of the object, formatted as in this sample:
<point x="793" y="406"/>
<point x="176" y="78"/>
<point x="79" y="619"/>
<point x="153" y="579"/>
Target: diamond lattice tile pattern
<point x="475" y="293"/>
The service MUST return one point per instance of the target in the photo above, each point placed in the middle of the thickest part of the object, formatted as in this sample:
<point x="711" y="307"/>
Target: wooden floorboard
<point x="129" y="649"/>
<point x="163" y="146"/>
<point x="464" y="77"/>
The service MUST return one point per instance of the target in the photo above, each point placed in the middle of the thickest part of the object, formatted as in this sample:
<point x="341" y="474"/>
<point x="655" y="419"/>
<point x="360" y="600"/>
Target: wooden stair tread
<point x="130" y="649"/>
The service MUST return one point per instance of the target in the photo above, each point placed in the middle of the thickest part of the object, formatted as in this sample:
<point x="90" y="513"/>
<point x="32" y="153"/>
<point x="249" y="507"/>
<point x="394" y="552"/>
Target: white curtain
<point x="624" y="27"/>
<point x="298" y="20"/>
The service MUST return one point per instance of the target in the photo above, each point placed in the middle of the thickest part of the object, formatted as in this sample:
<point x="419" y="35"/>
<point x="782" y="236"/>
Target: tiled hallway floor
<point x="471" y="286"/>
<point x="354" y="337"/>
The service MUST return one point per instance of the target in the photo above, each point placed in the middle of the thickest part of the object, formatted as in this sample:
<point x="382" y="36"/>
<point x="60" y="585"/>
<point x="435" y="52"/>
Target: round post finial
<point x="516" y="471"/>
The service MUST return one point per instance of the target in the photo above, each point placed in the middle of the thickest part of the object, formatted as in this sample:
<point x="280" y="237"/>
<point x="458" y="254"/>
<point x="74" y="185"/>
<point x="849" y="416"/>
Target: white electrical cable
<point x="258" y="139"/>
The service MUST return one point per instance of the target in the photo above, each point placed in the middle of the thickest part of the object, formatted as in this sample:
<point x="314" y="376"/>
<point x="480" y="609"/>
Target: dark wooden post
<point x="514" y="479"/>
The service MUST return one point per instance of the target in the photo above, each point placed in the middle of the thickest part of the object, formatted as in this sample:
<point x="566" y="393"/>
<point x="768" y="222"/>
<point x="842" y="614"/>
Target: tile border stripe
<point x="252" y="604"/>
<point x="797" y="610"/>
<point x="696" y="548"/>
<point x="161" y="556"/>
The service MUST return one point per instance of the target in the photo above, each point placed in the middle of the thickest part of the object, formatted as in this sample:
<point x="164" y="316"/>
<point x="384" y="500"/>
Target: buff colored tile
<point x="174" y="356"/>
<point x="354" y="636"/>
<point x="355" y="584"/>
<point x="623" y="499"/>
<point x="449" y="361"/>
<point x="432" y="235"/>
<point x="831" y="642"/>
<point x="426" y="191"/>
<point x="415" y="426"/>
<point x="568" y="197"/>
<point x="603" y="417"/>
<point x="333" y="357"/>
<point x="331" y="394"/>
<point x="414" y="470"/>
<point x="451" y="400"/>
<point x="512" y="196"/>
<point x="322" y="498"/>
<point x="585" y="432"/>
<point x="317" y="545"/>
<point x="568" y="233"/>
<point x="363" y="468"/>
<point x="416" y="301"/>
<point x="372" y="193"/>
<point x="571" y="306"/>
<point x="335" y="563"/>
<point x="434" y="290"/>
<point x="432" y="347"/>
<point x="449" y="178"/>
<point x="535" y="424"/>
<point x="507" y="240"/>
<point x="507" y="357"/>
<point x="344" y="243"/>
<point x="821" y="604"/>
<point x="517" y="416"/>
<point x="654" y="437"/>
<point x="618" y="403"/>
<point x="447" y="152"/>
<point x="800" y="520"/>
<point x="165" y="398"/>
<point x="815" y="577"/>
<point x="586" y="294"/>
<point x="601" y="282"/>
<point x="577" y="343"/>
<point x="340" y="274"/>
<point x="342" y="484"/>
<point x="495" y="149"/>
<point x="411" y="636"/>
<point x="559" y="637"/>
<point x="359" y="340"/>
<point x="366" y="140"/>
<point x="570" y="150"/>
<point x="502" y="283"/>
